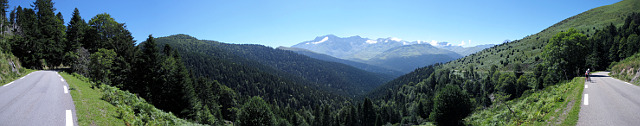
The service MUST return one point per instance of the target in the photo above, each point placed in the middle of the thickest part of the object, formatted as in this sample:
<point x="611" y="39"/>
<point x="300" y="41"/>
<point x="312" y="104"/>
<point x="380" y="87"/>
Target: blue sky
<point x="287" y="22"/>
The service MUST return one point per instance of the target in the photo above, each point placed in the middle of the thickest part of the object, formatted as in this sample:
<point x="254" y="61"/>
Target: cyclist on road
<point x="586" y="74"/>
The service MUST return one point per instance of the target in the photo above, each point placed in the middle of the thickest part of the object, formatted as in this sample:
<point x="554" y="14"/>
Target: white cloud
<point x="461" y="43"/>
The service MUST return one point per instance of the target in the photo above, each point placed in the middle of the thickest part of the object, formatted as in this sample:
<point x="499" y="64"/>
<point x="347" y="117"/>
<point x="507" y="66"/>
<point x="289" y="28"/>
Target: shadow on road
<point x="599" y="76"/>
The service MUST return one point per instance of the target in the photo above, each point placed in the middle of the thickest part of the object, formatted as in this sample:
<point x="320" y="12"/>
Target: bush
<point x="136" y="111"/>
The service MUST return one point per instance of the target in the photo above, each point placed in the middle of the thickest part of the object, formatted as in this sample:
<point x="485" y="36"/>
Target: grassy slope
<point x="111" y="106"/>
<point x="527" y="49"/>
<point x="90" y="109"/>
<point x="555" y="105"/>
<point x="627" y="69"/>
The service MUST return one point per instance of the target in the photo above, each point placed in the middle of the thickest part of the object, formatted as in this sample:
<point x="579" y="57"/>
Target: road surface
<point x="39" y="99"/>
<point x="609" y="102"/>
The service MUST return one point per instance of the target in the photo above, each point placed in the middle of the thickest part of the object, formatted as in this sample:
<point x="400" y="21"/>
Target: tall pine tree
<point x="75" y="34"/>
<point x="51" y="33"/>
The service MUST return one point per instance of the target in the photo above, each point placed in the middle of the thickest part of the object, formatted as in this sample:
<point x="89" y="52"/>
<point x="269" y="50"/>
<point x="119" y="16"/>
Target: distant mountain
<point x="354" y="47"/>
<point x="374" y="51"/>
<point x="363" y="66"/>
<point x="409" y="57"/>
<point x="233" y="63"/>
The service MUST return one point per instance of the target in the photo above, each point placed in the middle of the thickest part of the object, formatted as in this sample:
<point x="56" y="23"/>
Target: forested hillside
<point x="330" y="76"/>
<point x="527" y="50"/>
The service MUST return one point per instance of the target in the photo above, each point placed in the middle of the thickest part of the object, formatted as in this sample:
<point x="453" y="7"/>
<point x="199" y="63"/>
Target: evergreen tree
<point x="75" y="32"/>
<point x="25" y="46"/>
<point x="227" y="100"/>
<point x="173" y="78"/>
<point x="149" y="66"/>
<point x="4" y="5"/>
<point x="51" y="32"/>
<point x="368" y="113"/>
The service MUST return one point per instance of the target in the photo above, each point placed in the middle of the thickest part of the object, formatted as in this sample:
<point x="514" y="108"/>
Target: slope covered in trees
<point x="527" y="50"/>
<point x="331" y="76"/>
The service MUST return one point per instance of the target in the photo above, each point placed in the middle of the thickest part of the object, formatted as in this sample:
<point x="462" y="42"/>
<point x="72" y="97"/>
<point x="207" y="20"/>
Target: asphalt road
<point x="38" y="99"/>
<point x="609" y="102"/>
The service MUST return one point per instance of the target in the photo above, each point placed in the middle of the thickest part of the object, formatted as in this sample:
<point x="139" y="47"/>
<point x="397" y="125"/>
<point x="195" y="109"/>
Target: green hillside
<point x="528" y="49"/>
<point x="519" y="68"/>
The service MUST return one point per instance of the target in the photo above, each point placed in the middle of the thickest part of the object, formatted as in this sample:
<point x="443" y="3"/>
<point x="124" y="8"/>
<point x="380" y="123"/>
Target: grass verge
<point x="90" y="108"/>
<point x="555" y="105"/>
<point x="106" y="105"/>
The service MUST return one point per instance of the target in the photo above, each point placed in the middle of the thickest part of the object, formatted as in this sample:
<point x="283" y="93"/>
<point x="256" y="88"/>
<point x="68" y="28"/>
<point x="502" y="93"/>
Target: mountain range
<point x="389" y="53"/>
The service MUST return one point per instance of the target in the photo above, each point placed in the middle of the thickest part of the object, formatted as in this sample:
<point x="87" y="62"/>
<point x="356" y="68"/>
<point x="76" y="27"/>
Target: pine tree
<point x="51" y="32"/>
<point x="368" y="113"/>
<point x="25" y="46"/>
<point x="4" y="5"/>
<point x="75" y="31"/>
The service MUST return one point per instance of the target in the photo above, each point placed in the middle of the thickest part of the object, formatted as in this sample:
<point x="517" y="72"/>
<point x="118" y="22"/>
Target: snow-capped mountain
<point x="354" y="47"/>
<point x="392" y="53"/>
<point x="358" y="48"/>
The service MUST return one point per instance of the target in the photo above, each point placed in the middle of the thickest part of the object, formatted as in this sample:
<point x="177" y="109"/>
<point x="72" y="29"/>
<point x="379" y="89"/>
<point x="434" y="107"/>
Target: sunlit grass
<point x="90" y="108"/>
<point x="555" y="105"/>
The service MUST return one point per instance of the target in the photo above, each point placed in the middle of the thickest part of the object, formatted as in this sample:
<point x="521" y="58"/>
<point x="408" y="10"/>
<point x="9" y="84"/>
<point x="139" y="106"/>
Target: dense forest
<point x="335" y="77"/>
<point x="212" y="83"/>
